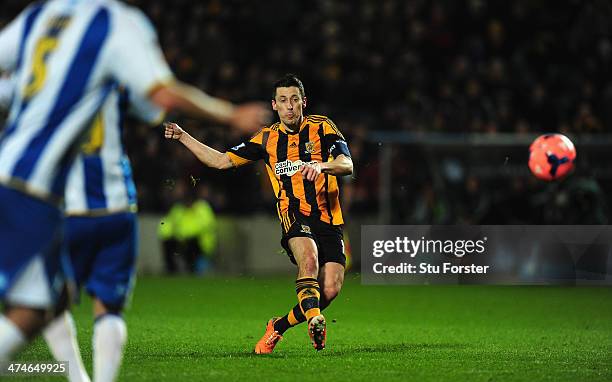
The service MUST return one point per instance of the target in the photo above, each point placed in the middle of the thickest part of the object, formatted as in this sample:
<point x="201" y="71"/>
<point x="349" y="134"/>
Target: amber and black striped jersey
<point x="318" y="140"/>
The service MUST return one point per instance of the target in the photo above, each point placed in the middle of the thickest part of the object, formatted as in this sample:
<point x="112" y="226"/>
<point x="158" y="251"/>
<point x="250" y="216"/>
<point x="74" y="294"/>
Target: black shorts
<point x="327" y="237"/>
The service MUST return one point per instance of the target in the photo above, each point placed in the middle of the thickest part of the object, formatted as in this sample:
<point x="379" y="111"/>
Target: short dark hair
<point x="289" y="80"/>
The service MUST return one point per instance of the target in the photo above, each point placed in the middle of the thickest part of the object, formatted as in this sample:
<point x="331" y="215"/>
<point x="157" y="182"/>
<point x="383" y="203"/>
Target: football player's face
<point x="289" y="105"/>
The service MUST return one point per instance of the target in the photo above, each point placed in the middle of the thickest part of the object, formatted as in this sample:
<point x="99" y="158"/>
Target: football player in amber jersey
<point x="304" y="155"/>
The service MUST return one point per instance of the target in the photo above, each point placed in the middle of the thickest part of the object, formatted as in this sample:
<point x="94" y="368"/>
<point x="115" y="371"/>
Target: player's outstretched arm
<point x="207" y="155"/>
<point x="177" y="95"/>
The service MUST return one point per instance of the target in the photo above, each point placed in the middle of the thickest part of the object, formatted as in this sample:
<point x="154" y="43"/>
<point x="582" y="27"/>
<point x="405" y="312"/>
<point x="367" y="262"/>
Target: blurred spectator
<point x="189" y="232"/>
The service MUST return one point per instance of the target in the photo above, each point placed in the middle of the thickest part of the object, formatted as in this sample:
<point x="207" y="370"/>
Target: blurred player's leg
<point x="31" y="271"/>
<point x="109" y="337"/>
<point x="13" y="338"/>
<point x="110" y="282"/>
<point x="61" y="336"/>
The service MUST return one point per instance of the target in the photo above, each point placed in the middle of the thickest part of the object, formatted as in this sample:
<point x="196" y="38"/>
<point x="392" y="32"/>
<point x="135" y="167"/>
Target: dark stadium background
<point x="437" y="74"/>
<point x="420" y="67"/>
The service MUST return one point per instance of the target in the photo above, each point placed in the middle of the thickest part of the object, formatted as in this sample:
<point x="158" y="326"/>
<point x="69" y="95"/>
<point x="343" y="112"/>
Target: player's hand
<point x="311" y="171"/>
<point x="172" y="130"/>
<point x="250" y="117"/>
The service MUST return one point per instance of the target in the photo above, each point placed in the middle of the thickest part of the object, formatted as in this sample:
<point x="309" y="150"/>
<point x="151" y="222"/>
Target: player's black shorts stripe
<point x="325" y="157"/>
<point x="309" y="187"/>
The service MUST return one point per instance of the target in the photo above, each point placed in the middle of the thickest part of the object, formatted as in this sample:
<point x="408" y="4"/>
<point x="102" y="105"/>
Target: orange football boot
<point x="269" y="340"/>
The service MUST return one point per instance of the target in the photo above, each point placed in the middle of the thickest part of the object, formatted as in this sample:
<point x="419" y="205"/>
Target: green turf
<point x="183" y="329"/>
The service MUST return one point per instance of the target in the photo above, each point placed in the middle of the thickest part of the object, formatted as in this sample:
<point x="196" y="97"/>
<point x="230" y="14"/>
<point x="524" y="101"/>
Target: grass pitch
<point x="188" y="329"/>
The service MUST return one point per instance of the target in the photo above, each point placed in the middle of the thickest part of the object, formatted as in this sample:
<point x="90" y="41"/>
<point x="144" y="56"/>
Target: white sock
<point x="60" y="335"/>
<point x="11" y="339"/>
<point x="109" y="337"/>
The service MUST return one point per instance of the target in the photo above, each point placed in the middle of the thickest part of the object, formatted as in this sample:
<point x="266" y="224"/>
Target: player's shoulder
<point x="272" y="127"/>
<point x="329" y="127"/>
<point x="257" y="137"/>
<point x="318" y="118"/>
<point x="33" y="5"/>
<point x="130" y="16"/>
<point x="31" y="9"/>
<point x="116" y="5"/>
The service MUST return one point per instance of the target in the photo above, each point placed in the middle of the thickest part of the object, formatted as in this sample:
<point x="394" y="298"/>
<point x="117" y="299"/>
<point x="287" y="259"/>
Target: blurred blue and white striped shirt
<point x="100" y="181"/>
<point x="69" y="58"/>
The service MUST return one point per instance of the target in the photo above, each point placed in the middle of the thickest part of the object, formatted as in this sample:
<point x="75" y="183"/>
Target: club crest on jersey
<point x="310" y="146"/>
<point x="288" y="167"/>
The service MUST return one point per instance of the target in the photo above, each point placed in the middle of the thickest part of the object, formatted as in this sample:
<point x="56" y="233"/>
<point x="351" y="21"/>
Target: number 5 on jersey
<point x="44" y="47"/>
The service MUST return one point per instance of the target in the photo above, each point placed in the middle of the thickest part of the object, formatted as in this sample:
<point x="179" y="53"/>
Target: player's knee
<point x="309" y="268"/>
<point x="309" y="263"/>
<point x="331" y="292"/>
